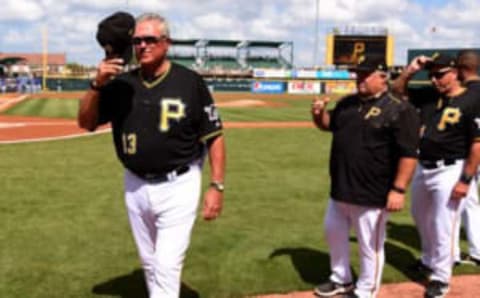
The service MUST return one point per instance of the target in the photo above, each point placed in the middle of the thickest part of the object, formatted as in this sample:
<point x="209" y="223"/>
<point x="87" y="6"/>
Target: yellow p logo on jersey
<point x="172" y="108"/>
<point x="449" y="116"/>
<point x="374" y="111"/>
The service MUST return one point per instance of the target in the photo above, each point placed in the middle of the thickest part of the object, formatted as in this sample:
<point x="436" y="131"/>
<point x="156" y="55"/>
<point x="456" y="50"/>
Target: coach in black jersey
<point x="373" y="156"/>
<point x="164" y="121"/>
<point x="448" y="160"/>
<point x="468" y="65"/>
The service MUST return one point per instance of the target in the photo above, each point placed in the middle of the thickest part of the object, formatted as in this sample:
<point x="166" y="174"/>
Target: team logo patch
<point x="173" y="110"/>
<point x="477" y="121"/>
<point x="373" y="112"/>
<point x="212" y="113"/>
<point x="450" y="116"/>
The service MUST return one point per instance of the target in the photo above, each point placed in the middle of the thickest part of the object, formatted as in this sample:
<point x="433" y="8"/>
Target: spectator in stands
<point x="3" y="84"/>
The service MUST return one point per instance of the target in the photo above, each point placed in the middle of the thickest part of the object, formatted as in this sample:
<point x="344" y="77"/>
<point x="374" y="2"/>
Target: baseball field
<point x="65" y="231"/>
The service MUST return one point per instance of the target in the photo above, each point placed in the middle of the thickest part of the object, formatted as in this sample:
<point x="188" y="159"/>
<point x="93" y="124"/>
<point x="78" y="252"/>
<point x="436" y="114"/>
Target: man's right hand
<point x="417" y="64"/>
<point x="318" y="105"/>
<point x="107" y="69"/>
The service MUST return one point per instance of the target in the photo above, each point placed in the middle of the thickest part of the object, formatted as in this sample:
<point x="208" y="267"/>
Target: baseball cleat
<point x="436" y="289"/>
<point x="469" y="260"/>
<point x="420" y="267"/>
<point x="330" y="289"/>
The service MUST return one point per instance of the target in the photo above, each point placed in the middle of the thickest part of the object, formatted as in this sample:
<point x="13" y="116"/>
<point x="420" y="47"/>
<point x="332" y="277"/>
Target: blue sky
<point x="72" y="23"/>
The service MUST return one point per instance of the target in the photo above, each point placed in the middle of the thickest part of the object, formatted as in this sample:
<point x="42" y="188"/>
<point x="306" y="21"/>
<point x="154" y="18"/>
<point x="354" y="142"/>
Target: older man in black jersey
<point x="163" y="120"/>
<point x="448" y="160"/>
<point x="373" y="156"/>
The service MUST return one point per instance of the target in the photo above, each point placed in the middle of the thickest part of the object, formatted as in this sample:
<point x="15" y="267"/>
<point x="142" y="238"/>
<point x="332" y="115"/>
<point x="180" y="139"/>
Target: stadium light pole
<point x="315" y="46"/>
<point x="44" y="56"/>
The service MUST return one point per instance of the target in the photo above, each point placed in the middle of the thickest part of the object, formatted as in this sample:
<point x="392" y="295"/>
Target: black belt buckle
<point x="434" y="164"/>
<point x="159" y="178"/>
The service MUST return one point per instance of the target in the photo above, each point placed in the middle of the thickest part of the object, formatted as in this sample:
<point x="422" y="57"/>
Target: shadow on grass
<point x="133" y="286"/>
<point x="401" y="258"/>
<point x="313" y="266"/>
<point x="404" y="233"/>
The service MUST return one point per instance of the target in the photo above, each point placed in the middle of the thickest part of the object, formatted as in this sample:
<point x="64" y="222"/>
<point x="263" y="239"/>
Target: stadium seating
<point x="187" y="61"/>
<point x="222" y="62"/>
<point x="265" y="62"/>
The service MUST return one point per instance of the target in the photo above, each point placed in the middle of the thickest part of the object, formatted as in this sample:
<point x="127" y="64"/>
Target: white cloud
<point x="72" y="23"/>
<point x="17" y="37"/>
<point x="13" y="10"/>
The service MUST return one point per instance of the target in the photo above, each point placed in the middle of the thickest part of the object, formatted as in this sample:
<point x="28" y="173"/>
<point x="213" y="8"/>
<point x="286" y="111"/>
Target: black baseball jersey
<point x="161" y="124"/>
<point x="449" y="125"/>
<point x="473" y="85"/>
<point x="369" y="138"/>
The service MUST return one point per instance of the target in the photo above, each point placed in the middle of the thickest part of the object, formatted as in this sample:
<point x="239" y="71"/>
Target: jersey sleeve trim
<point x="211" y="135"/>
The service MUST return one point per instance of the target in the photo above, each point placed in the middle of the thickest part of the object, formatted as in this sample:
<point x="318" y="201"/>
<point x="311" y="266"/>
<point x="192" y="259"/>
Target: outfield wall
<point x="261" y="85"/>
<point x="267" y="86"/>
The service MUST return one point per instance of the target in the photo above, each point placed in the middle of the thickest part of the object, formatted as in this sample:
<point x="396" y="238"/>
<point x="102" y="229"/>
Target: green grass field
<point x="290" y="110"/>
<point x="65" y="231"/>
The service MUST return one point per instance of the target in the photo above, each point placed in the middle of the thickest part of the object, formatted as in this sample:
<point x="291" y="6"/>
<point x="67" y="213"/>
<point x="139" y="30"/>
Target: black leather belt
<point x="435" y="164"/>
<point x="159" y="178"/>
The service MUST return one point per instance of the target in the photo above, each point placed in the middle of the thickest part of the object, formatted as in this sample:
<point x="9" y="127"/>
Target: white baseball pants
<point x="161" y="217"/>
<point x="471" y="224"/>
<point x="369" y="224"/>
<point x="437" y="217"/>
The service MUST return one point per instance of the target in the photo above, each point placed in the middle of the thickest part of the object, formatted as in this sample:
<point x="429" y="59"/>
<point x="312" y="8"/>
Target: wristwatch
<point x="399" y="190"/>
<point x="217" y="185"/>
<point x="465" y="178"/>
<point x="94" y="85"/>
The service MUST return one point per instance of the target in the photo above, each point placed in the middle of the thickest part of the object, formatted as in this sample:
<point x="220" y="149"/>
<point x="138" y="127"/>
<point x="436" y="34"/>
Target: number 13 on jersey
<point x="129" y="143"/>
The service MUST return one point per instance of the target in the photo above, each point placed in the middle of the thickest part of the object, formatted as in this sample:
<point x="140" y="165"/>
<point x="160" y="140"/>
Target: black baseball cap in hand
<point x="440" y="60"/>
<point x="115" y="35"/>
<point x="370" y="63"/>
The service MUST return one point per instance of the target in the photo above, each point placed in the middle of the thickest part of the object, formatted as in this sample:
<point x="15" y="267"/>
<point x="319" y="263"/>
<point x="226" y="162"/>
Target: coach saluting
<point x="163" y="120"/>
<point x="373" y="156"/>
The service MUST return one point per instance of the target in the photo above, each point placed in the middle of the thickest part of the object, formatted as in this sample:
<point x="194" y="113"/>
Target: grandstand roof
<point x="228" y="43"/>
<point x="221" y="43"/>
<point x="184" y="42"/>
<point x="265" y="44"/>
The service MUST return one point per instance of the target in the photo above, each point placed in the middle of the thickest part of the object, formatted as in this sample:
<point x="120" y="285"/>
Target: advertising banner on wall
<point x="271" y="73"/>
<point x="322" y="74"/>
<point x="268" y="87"/>
<point x="340" y="87"/>
<point x="334" y="75"/>
<point x="304" y="87"/>
<point x="229" y="85"/>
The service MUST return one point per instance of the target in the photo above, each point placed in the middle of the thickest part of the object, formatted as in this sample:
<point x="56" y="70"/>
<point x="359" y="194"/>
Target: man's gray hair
<point x="150" y="16"/>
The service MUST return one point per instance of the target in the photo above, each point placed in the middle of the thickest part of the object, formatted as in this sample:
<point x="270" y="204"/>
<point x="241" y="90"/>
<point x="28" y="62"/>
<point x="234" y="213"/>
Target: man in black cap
<point x="448" y="160"/>
<point x="468" y="64"/>
<point x="373" y="156"/>
<point x="164" y="122"/>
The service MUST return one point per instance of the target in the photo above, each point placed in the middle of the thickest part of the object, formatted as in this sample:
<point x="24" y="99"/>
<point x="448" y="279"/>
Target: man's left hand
<point x="212" y="204"/>
<point x="460" y="190"/>
<point x="395" y="201"/>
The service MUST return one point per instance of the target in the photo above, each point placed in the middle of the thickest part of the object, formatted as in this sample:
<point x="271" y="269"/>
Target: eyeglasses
<point x="364" y="74"/>
<point x="148" y="40"/>
<point x="438" y="74"/>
